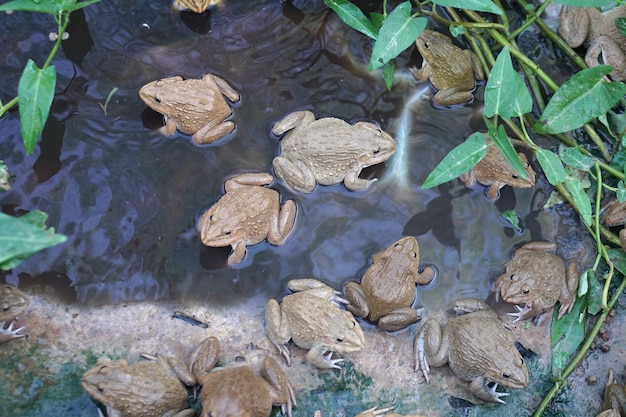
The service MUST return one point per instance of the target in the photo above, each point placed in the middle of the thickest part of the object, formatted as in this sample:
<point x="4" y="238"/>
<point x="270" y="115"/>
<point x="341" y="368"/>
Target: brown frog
<point x="312" y="318"/>
<point x="387" y="290"/>
<point x="196" y="6"/>
<point x="12" y="303"/>
<point x="495" y="171"/>
<point x="239" y="391"/>
<point x="478" y="348"/>
<point x="597" y="31"/>
<point x="246" y="215"/>
<point x="615" y="215"/>
<point x="614" y="404"/>
<point x="538" y="279"/>
<point x="195" y="107"/>
<point x="328" y="151"/>
<point x="153" y="388"/>
<point x="450" y="69"/>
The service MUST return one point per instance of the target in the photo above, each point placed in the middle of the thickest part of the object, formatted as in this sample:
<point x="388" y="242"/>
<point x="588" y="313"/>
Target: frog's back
<point x="311" y="318"/>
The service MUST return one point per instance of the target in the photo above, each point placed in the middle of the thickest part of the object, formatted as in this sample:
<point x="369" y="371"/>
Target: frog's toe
<point x="520" y="314"/>
<point x="332" y="363"/>
<point x="495" y="395"/>
<point x="10" y="333"/>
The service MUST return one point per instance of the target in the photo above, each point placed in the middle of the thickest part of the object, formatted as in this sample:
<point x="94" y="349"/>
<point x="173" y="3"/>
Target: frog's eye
<point x="5" y="307"/>
<point x="413" y="255"/>
<point x="340" y="339"/>
<point x="506" y="375"/>
<point x="227" y="232"/>
<point x="376" y="151"/>
<point x="397" y="246"/>
<point x="100" y="388"/>
<point x="514" y="176"/>
<point x="512" y="277"/>
<point x="525" y="291"/>
<point x="427" y="45"/>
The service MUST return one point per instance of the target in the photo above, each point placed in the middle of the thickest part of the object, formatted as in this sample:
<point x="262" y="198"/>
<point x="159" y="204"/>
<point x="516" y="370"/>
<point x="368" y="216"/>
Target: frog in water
<point x="451" y="70"/>
<point x="537" y="278"/>
<point x="246" y="215"/>
<point x="495" y="171"/>
<point x="196" y="6"/>
<point x="12" y="303"/>
<point x="312" y="319"/>
<point x="195" y="107"/>
<point x="239" y="391"/>
<point x="387" y="290"/>
<point x="477" y="347"/>
<point x="328" y="151"/>
<point x="599" y="33"/>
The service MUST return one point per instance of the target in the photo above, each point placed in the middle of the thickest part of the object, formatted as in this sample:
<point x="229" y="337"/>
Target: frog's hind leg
<point x="282" y="392"/>
<point x="399" y="319"/>
<point x="451" y="96"/>
<point x="356" y="298"/>
<point x="296" y="119"/>
<point x="277" y="328"/>
<point x="295" y="174"/>
<point x="612" y="54"/>
<point x="282" y="223"/>
<point x="430" y="345"/>
<point x="210" y="133"/>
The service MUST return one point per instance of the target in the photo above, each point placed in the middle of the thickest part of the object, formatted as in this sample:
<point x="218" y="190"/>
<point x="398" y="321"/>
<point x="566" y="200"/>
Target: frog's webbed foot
<point x="486" y="391"/>
<point x="239" y="252"/>
<point x="316" y="358"/>
<point x="354" y="183"/>
<point x="419" y="348"/>
<point x="8" y="334"/>
<point x="523" y="313"/>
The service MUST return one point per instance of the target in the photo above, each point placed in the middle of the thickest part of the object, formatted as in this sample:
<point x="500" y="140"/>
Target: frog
<point x="495" y="171"/>
<point x="598" y="33"/>
<point x="477" y="346"/>
<point x="311" y="317"/>
<point x="614" y="404"/>
<point x="537" y="278"/>
<point x="328" y="151"/>
<point x="387" y="289"/>
<point x="615" y="215"/>
<point x="247" y="214"/>
<point x="240" y="391"/>
<point x="195" y="107"/>
<point x="196" y="6"/>
<point x="154" y="387"/>
<point x="451" y="70"/>
<point x="12" y="302"/>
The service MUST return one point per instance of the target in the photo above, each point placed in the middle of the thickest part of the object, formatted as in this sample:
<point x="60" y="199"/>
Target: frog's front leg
<point x="453" y="95"/>
<point x="354" y="183"/>
<point x="211" y="132"/>
<point x="426" y="276"/>
<point x="480" y="387"/>
<point x="297" y="119"/>
<point x="568" y="292"/>
<point x="277" y="328"/>
<point x="296" y="174"/>
<point x="399" y="319"/>
<point x="282" y="223"/>
<point x="8" y="334"/>
<point x="316" y="357"/>
<point x="468" y="178"/>
<point x="540" y="247"/>
<point x="356" y="299"/>
<point x="493" y="192"/>
<point x="430" y="344"/>
<point x="318" y="289"/>
<point x="281" y="390"/>
<point x="239" y="252"/>
<point x="477" y="68"/>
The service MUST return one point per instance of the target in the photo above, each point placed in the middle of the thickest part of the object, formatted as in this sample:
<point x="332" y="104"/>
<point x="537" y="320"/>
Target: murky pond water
<point x="128" y="198"/>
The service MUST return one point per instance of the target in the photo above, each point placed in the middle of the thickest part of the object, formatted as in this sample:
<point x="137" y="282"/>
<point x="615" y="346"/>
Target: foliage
<point x="21" y="237"/>
<point x="36" y="87"/>
<point x="513" y="98"/>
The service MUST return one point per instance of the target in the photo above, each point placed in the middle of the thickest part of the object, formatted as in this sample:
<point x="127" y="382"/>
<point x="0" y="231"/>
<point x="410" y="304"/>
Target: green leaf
<point x="567" y="334"/>
<point x="456" y="30"/>
<point x="503" y="143"/>
<point x="512" y="217"/>
<point x="35" y="93"/>
<point x="621" y="192"/>
<point x="479" y="5"/>
<point x="584" y="3"/>
<point x="460" y="160"/>
<point x="46" y="6"/>
<point x="353" y="17"/>
<point x="618" y="258"/>
<point x="580" y="99"/>
<point x="500" y="90"/>
<point x="551" y="165"/>
<point x="377" y="20"/>
<point x="24" y="236"/>
<point x="594" y="296"/>
<point x="523" y="100"/>
<point x="580" y="198"/>
<point x="576" y="159"/>
<point x="620" y="23"/>
<point x="398" y="32"/>
<point x="73" y="6"/>
<point x="388" y="71"/>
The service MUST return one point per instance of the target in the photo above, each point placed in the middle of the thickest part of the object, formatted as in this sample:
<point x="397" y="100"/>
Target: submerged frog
<point x="153" y="388"/>
<point x="615" y="215"/>
<point x="196" y="6"/>
<point x="195" y="107"/>
<point x="387" y="290"/>
<point x="598" y="32"/>
<point x="450" y="69"/>
<point x="477" y="347"/>
<point x="12" y="303"/>
<point x="312" y="319"/>
<point x="239" y="391"/>
<point x="246" y="215"/>
<point x="495" y="171"/>
<point x="614" y="404"/>
<point x="328" y="151"/>
<point x="538" y="279"/>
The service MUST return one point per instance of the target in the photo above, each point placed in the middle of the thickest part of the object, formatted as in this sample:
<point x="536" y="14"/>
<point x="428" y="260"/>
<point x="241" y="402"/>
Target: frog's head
<point x="434" y="46"/>
<point x="155" y="94"/>
<point x="106" y="380"/>
<point x="508" y="369"/>
<point x="494" y="167"/>
<point x="375" y="145"/>
<point x="344" y="334"/>
<point x="217" y="229"/>
<point x="517" y="287"/>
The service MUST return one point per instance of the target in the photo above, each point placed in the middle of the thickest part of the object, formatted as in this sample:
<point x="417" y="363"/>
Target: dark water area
<point x="128" y="198"/>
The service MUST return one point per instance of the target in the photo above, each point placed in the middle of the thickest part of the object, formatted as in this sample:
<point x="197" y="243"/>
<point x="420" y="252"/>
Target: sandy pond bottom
<point x="41" y="374"/>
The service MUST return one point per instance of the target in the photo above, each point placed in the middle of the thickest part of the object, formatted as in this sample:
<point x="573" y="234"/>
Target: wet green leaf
<point x="523" y="100"/>
<point x="621" y="192"/>
<point x="583" y="283"/>
<point x="388" y="71"/>
<point x="576" y="159"/>
<point x="567" y="334"/>
<point x="377" y="20"/>
<point x="353" y="17"/>
<point x="46" y="6"/>
<point x="512" y="217"/>
<point x="500" y="90"/>
<point x="398" y="32"/>
<point x="35" y="92"/>
<point x="594" y="296"/>
<point x="618" y="257"/>
<point x="479" y="5"/>
<point x="21" y="237"/>
<point x="580" y="99"/>
<point x="580" y="198"/>
<point x="460" y="160"/>
<point x="620" y="23"/>
<point x="503" y="143"/>
<point x="584" y="3"/>
<point x="551" y="165"/>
